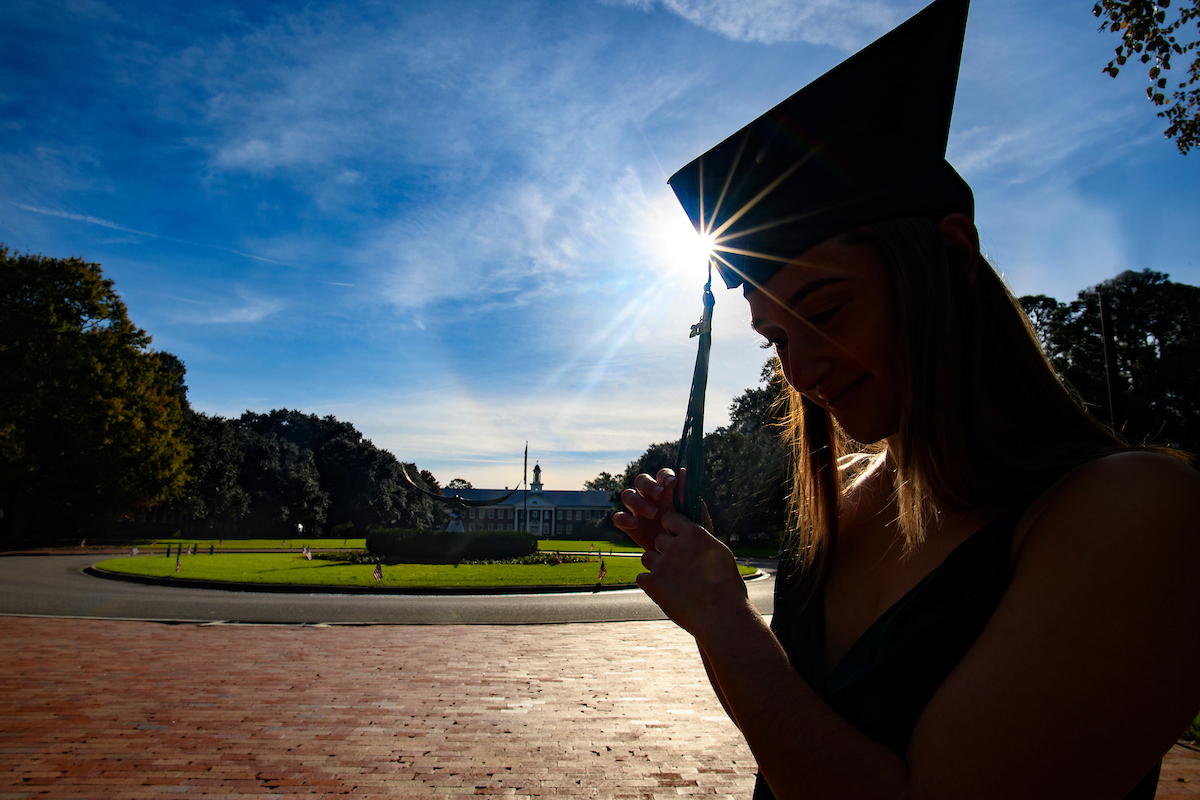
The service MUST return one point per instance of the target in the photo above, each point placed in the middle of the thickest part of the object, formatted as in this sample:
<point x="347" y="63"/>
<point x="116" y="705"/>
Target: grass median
<point x="333" y="543"/>
<point x="294" y="569"/>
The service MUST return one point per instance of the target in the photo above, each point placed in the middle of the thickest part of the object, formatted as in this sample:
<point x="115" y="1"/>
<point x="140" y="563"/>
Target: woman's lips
<point x="834" y="401"/>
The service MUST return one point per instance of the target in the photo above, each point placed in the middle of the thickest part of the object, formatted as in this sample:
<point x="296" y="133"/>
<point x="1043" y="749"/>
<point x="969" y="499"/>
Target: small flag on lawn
<point x="82" y="542"/>
<point x="177" y="563"/>
<point x="378" y="573"/>
<point x="603" y="571"/>
<point x="308" y="554"/>
<point x="133" y="551"/>
<point x="591" y="547"/>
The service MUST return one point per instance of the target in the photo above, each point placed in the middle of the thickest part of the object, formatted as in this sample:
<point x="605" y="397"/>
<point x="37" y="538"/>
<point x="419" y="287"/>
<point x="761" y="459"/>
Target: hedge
<point x="444" y="547"/>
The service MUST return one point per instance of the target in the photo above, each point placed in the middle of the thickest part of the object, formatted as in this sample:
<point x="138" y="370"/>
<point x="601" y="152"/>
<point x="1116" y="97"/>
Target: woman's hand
<point x="693" y="577"/>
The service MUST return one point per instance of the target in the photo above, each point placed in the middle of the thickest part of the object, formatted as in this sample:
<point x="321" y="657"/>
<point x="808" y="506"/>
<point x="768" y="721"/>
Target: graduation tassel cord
<point x="691" y="443"/>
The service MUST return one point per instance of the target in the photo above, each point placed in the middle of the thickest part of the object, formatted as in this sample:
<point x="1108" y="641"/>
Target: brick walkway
<point x="138" y="710"/>
<point x="105" y="709"/>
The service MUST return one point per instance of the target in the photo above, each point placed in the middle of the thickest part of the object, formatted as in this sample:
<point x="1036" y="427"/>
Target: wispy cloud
<point x="846" y="24"/>
<point x="246" y="310"/>
<point x="104" y="223"/>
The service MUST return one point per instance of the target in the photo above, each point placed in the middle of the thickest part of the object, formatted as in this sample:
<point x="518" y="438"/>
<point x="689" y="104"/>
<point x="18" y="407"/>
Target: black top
<point x="888" y="676"/>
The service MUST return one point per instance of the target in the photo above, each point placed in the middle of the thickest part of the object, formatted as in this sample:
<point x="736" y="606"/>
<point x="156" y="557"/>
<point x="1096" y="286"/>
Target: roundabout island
<point x="68" y="585"/>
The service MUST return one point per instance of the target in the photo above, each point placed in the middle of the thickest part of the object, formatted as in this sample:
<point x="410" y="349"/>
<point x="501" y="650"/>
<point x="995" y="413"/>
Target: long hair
<point x="985" y="421"/>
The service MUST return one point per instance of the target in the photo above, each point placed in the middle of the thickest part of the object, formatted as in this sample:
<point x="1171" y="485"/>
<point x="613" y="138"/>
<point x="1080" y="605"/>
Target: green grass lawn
<point x="330" y="543"/>
<point x="286" y="568"/>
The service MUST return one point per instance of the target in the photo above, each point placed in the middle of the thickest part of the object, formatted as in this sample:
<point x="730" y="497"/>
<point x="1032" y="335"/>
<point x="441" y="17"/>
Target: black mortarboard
<point x="866" y="141"/>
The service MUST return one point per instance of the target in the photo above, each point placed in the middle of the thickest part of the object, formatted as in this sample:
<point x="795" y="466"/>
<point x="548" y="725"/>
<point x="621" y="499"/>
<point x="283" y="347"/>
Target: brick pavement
<point x="109" y="709"/>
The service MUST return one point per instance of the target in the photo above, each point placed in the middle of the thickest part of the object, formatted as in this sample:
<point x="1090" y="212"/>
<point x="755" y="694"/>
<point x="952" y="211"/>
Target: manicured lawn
<point x="287" y="568"/>
<point x="329" y="543"/>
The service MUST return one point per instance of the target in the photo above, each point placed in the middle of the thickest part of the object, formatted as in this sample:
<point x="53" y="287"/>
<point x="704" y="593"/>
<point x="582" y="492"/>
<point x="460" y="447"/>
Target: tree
<point x="459" y="483"/>
<point x="748" y="461"/>
<point x="1156" y="328"/>
<point x="604" y="482"/>
<point x="214" y="491"/>
<point x="285" y="467"/>
<point x="745" y="463"/>
<point x="1146" y="34"/>
<point x="90" y="416"/>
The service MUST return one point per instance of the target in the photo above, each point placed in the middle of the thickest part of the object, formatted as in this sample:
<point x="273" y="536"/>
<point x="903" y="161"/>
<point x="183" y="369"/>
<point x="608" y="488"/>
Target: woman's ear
<point x="958" y="233"/>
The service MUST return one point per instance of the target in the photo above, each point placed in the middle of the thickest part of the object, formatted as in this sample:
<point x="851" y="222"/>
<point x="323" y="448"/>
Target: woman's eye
<point x="823" y="317"/>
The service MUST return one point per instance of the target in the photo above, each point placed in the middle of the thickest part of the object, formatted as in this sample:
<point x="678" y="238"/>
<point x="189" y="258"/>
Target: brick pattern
<point x="109" y="709"/>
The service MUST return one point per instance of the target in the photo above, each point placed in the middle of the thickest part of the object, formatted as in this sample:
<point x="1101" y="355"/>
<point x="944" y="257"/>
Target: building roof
<point x="558" y="498"/>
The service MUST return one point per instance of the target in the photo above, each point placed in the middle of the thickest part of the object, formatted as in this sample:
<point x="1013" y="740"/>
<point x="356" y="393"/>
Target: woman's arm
<point x="1084" y="677"/>
<point x="803" y="748"/>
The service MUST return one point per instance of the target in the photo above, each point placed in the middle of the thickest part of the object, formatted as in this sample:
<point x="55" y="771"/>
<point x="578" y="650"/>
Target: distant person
<point x="986" y="593"/>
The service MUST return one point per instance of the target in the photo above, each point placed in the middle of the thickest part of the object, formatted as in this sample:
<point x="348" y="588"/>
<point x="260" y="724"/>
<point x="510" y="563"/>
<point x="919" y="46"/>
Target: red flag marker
<point x="378" y="573"/>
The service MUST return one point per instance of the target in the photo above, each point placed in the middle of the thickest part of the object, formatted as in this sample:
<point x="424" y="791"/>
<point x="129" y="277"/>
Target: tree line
<point x="95" y="426"/>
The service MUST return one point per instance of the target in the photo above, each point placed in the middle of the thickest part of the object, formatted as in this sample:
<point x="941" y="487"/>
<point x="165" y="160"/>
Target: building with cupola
<point x="547" y="513"/>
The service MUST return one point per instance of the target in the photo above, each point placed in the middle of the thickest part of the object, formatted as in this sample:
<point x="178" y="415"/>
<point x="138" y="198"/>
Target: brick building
<point x="544" y="512"/>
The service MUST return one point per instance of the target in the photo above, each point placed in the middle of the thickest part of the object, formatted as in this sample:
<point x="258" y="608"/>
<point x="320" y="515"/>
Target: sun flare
<point x="681" y="249"/>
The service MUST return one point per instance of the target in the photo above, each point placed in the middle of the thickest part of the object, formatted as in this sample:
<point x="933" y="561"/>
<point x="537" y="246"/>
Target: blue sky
<point x="449" y="223"/>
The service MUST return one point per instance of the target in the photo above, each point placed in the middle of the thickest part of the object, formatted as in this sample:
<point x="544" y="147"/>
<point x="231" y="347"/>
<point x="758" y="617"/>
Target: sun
<point x="680" y="248"/>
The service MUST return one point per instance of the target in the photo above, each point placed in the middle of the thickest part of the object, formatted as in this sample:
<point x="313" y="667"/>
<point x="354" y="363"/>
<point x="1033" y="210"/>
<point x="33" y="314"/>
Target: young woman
<point x="1011" y="586"/>
<point x="990" y="596"/>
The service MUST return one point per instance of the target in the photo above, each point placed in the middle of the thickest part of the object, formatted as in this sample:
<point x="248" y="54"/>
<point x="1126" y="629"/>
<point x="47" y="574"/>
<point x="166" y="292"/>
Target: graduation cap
<point x="864" y="142"/>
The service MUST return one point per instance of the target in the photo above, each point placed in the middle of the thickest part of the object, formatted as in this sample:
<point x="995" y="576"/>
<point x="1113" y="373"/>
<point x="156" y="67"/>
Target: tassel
<point x="691" y="443"/>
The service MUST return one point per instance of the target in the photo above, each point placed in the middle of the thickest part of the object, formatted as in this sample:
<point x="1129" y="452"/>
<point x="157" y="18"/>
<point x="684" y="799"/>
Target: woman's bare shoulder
<point x="1090" y="661"/>
<point x="1124" y="493"/>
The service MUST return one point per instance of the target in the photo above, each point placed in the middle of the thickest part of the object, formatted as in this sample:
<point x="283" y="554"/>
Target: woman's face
<point x="831" y="315"/>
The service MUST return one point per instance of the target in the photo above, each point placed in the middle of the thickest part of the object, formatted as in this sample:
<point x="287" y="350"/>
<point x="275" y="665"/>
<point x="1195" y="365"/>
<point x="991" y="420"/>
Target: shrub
<point x="445" y="547"/>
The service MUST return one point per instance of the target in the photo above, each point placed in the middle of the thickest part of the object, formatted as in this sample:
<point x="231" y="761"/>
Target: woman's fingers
<point x="639" y="504"/>
<point x="647" y="502"/>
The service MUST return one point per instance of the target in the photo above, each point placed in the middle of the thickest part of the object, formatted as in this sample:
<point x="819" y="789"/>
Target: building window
<point x="560" y="514"/>
<point x="491" y="513"/>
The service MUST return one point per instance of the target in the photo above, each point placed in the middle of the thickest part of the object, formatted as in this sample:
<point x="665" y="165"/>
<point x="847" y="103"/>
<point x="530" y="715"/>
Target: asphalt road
<point x="55" y="586"/>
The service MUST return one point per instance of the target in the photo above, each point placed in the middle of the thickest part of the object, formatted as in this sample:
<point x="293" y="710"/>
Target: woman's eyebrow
<point x="799" y="295"/>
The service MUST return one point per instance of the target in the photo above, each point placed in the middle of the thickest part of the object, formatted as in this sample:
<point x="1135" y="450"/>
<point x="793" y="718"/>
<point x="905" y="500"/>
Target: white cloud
<point x="248" y="310"/>
<point x="49" y="212"/>
<point x="846" y="24"/>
